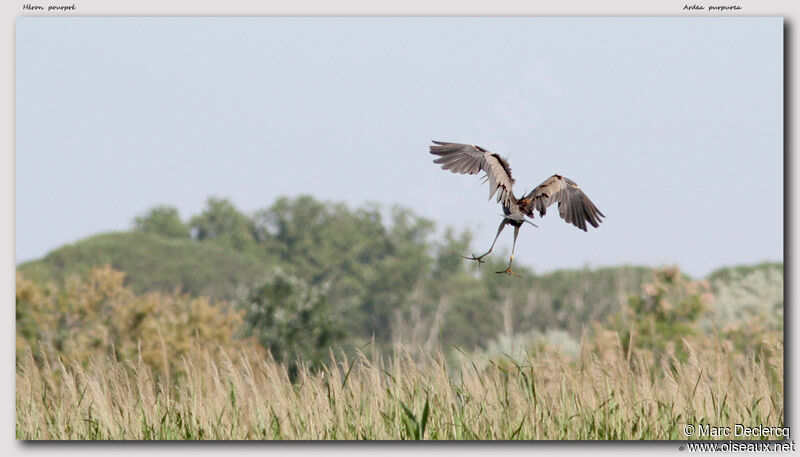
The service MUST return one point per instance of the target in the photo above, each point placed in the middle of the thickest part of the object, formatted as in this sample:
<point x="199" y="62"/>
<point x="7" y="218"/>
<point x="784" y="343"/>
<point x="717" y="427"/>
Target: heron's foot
<point x="479" y="258"/>
<point x="509" y="272"/>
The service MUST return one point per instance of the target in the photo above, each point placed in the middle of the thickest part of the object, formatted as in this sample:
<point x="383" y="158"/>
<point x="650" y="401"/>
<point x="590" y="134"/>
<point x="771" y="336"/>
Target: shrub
<point x="293" y="320"/>
<point x="668" y="310"/>
<point x="97" y="316"/>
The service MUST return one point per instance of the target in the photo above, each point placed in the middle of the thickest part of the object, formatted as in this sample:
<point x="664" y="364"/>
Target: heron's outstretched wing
<point x="469" y="159"/>
<point x="573" y="205"/>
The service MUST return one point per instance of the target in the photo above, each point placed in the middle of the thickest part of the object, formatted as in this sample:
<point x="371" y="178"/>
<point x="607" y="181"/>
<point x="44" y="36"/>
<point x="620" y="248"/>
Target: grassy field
<point x="545" y="395"/>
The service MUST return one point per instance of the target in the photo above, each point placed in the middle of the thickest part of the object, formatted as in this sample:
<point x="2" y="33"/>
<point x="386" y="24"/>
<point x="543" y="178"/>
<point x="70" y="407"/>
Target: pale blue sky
<point x="673" y="126"/>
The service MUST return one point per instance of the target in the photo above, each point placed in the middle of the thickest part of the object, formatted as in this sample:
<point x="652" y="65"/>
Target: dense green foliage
<point x="153" y="263"/>
<point x="162" y="220"/>
<point x="726" y="274"/>
<point x="293" y="320"/>
<point x="667" y="312"/>
<point x="355" y="276"/>
<point x="223" y="224"/>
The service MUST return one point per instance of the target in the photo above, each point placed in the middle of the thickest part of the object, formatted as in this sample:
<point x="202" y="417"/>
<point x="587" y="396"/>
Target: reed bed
<point x="408" y="395"/>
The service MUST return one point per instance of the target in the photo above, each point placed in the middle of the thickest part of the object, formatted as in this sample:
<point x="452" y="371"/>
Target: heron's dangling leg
<point x="513" y="245"/>
<point x="478" y="258"/>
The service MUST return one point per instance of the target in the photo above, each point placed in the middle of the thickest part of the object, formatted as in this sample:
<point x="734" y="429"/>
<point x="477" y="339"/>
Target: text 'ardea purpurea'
<point x="573" y="205"/>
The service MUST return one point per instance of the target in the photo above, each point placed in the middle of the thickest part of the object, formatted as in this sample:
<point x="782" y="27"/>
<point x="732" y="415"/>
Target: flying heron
<point x="573" y="205"/>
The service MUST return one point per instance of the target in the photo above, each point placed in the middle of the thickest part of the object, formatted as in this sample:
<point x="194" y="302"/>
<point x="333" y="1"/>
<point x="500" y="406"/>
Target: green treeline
<point x="303" y="276"/>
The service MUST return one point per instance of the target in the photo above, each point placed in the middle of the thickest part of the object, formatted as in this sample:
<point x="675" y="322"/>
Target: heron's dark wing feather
<point x="573" y="205"/>
<point x="469" y="159"/>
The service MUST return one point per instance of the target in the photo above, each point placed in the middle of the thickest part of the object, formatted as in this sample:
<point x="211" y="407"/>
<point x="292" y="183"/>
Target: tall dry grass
<point x="546" y="395"/>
